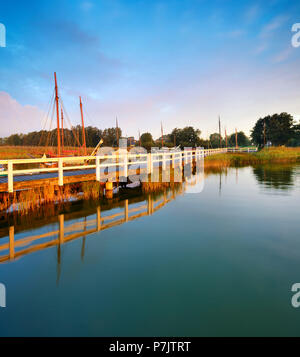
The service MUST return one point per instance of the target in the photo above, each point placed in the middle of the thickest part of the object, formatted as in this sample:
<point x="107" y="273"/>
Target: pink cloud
<point x="18" y="118"/>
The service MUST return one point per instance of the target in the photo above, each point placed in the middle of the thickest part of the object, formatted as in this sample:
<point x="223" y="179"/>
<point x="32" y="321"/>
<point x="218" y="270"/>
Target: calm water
<point x="217" y="263"/>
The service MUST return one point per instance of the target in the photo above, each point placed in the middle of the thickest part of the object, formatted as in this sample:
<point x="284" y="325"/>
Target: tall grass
<point x="270" y="155"/>
<point x="29" y="200"/>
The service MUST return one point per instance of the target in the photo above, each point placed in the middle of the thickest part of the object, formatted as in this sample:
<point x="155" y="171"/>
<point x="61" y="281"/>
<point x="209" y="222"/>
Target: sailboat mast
<point x="62" y="129"/>
<point x="57" y="115"/>
<point x="220" y="134"/>
<point x="83" y="131"/>
<point x="162" y="135"/>
<point x="117" y="132"/>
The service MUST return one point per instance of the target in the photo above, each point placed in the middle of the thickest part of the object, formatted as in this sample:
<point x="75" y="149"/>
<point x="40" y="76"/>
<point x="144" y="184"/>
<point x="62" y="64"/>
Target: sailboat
<point x="81" y="147"/>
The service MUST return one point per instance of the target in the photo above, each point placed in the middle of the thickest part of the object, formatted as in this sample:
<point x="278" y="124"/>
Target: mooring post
<point x="60" y="172"/>
<point x="126" y="211"/>
<point x="97" y="168"/>
<point x="11" y="242"/>
<point x="61" y="228"/>
<point x="98" y="219"/>
<point x="149" y="205"/>
<point x="10" y="177"/>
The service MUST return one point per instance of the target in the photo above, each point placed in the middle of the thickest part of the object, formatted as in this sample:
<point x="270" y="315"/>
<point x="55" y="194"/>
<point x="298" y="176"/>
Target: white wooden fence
<point x="119" y="159"/>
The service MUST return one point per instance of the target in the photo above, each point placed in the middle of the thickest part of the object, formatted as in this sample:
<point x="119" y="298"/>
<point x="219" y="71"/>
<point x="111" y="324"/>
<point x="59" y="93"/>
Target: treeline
<point x="277" y="129"/>
<point x="72" y="137"/>
<point x="190" y="137"/>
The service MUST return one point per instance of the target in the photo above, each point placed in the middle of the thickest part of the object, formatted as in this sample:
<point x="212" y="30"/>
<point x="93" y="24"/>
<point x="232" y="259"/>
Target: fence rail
<point x="249" y="149"/>
<point x="121" y="159"/>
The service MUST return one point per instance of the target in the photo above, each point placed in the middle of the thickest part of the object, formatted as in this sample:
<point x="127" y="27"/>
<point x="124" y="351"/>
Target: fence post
<point x="97" y="168"/>
<point x="60" y="172"/>
<point x="10" y="177"/>
<point x="149" y="163"/>
<point x="125" y="164"/>
<point x="163" y="161"/>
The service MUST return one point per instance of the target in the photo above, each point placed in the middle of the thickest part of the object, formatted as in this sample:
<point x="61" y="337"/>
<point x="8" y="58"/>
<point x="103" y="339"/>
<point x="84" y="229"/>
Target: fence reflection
<point x="18" y="247"/>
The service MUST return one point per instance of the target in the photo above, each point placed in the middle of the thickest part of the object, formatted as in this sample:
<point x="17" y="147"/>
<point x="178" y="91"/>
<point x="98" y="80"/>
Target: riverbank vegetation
<point x="267" y="155"/>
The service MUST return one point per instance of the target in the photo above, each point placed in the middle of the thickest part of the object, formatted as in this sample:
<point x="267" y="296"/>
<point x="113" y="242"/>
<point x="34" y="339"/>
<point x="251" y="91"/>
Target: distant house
<point x="131" y="141"/>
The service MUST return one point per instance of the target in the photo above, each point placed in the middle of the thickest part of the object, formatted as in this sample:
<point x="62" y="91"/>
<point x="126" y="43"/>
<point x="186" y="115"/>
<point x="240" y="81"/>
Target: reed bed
<point x="270" y="155"/>
<point x="152" y="187"/>
<point x="29" y="200"/>
<point x="92" y="189"/>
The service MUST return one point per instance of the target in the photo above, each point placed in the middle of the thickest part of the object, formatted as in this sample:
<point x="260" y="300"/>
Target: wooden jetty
<point x="66" y="170"/>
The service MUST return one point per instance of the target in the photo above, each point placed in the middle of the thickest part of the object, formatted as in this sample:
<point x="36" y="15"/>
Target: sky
<point x="146" y="62"/>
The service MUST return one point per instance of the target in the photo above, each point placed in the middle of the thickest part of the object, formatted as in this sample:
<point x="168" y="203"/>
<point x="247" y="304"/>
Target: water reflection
<point x="278" y="177"/>
<point x="83" y="223"/>
<point x="82" y="219"/>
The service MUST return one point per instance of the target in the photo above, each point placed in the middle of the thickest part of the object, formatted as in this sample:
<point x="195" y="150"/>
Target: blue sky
<point x="179" y="62"/>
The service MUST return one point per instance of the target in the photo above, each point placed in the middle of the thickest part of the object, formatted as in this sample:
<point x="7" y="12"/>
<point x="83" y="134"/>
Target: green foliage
<point x="147" y="141"/>
<point x="72" y="137"/>
<point x="214" y="140"/>
<point x="295" y="140"/>
<point x="242" y="140"/>
<point x="146" y="138"/>
<point x="277" y="128"/>
<point x="186" y="137"/>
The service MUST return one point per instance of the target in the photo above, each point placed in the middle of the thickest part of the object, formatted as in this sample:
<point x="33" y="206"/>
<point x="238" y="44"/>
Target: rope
<point x="47" y="117"/>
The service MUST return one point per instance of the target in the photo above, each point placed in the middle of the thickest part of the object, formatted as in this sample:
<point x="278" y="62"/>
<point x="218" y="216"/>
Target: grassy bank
<point x="270" y="155"/>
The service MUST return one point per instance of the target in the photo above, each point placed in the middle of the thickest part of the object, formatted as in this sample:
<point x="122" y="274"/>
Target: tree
<point x="278" y="129"/>
<point x="186" y="137"/>
<point x="147" y="141"/>
<point x="109" y="136"/>
<point x="242" y="139"/>
<point x="295" y="140"/>
<point x="214" y="140"/>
